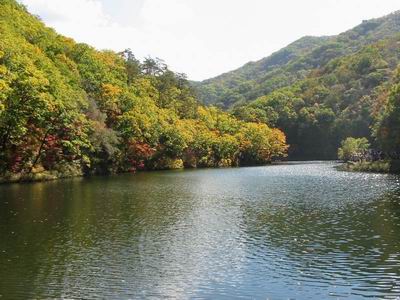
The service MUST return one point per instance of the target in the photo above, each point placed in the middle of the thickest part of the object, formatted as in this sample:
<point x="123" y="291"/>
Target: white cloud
<point x="203" y="38"/>
<point x="159" y="12"/>
<point x="88" y="12"/>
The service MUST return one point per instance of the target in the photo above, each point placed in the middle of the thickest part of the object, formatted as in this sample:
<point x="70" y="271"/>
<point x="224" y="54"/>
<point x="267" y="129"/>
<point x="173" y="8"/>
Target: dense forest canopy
<point x="321" y="90"/>
<point x="68" y="109"/>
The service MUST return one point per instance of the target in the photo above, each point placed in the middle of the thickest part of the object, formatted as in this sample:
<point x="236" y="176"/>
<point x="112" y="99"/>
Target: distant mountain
<point x="291" y="63"/>
<point x="321" y="90"/>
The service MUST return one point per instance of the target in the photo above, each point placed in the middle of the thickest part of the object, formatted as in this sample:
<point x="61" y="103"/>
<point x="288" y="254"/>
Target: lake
<point x="297" y="230"/>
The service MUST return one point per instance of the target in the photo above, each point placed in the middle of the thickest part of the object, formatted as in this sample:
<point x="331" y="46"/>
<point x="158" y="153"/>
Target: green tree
<point x="353" y="149"/>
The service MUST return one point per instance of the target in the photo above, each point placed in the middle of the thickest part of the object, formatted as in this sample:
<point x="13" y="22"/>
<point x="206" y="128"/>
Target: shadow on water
<point x="300" y="230"/>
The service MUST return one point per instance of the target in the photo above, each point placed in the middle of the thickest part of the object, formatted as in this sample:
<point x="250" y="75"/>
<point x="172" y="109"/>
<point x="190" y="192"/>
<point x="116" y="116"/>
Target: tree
<point x="387" y="127"/>
<point x="67" y="106"/>
<point x="353" y="149"/>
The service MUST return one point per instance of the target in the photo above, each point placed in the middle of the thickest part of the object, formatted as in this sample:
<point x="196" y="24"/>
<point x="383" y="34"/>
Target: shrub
<point x="353" y="149"/>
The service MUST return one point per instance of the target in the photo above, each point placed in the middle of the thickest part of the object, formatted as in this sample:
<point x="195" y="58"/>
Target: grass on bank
<point x="39" y="174"/>
<point x="380" y="166"/>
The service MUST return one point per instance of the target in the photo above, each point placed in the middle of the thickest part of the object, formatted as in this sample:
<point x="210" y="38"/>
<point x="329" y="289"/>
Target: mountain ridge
<point x="319" y="91"/>
<point x="249" y="81"/>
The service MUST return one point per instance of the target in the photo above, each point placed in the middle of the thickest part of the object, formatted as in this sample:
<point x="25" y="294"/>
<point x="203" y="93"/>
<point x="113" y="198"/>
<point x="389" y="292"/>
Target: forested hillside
<point x="68" y="109"/>
<point x="318" y="90"/>
<point x="291" y="63"/>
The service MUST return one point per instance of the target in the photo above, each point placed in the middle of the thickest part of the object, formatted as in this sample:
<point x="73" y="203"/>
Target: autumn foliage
<point x="69" y="108"/>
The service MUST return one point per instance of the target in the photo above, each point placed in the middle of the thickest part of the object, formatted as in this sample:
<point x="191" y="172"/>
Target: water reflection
<point x="297" y="230"/>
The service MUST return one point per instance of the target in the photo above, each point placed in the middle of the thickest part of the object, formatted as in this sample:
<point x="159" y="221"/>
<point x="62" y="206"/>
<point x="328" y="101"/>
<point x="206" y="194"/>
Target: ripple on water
<point x="296" y="230"/>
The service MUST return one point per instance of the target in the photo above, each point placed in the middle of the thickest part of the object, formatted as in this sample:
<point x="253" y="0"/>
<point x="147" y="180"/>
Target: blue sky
<point x="203" y="38"/>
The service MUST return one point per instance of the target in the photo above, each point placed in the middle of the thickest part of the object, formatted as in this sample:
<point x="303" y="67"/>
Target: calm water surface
<point x="299" y="231"/>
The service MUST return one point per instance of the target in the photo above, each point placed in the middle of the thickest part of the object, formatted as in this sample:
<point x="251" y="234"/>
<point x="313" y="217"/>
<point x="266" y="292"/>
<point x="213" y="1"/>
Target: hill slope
<point x="68" y="109"/>
<point x="319" y="94"/>
<point x="291" y="63"/>
<point x="344" y="98"/>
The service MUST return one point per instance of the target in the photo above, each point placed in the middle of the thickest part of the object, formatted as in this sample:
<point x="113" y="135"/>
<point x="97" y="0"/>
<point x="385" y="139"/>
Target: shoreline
<point x="47" y="176"/>
<point x="379" y="166"/>
<point x="383" y="166"/>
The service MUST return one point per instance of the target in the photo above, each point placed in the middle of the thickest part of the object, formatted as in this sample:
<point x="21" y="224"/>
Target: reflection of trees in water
<point x="177" y="232"/>
<point x="150" y="233"/>
<point x="65" y="234"/>
<point x="357" y="242"/>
